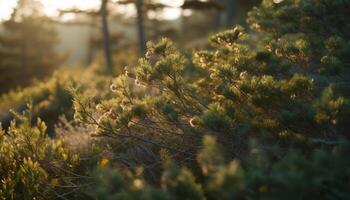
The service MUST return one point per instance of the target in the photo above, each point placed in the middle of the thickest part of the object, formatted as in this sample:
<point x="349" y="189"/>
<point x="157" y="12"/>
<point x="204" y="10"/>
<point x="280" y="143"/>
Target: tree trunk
<point x="231" y="13"/>
<point x="106" y="37"/>
<point x="140" y="28"/>
<point x="218" y="17"/>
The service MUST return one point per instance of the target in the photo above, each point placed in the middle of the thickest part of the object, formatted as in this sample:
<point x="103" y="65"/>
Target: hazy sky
<point x="51" y="7"/>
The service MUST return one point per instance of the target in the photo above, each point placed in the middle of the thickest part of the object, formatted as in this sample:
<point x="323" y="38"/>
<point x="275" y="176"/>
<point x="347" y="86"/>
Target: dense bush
<point x="260" y="115"/>
<point x="283" y="88"/>
<point x="31" y="164"/>
<point x="321" y="176"/>
<point x="272" y="88"/>
<point x="50" y="100"/>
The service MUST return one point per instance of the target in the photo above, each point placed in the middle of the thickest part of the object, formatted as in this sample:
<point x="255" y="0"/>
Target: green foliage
<point x="31" y="164"/>
<point x="50" y="100"/>
<point x="322" y="175"/>
<point x="180" y="183"/>
<point x="27" y="29"/>
<point x="272" y="110"/>
<point x="280" y="88"/>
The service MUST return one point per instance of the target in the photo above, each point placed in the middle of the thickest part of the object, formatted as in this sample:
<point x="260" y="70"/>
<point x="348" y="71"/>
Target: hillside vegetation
<point x="261" y="114"/>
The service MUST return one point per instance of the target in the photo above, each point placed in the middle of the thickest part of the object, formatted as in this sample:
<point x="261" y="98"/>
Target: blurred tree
<point x="231" y="12"/>
<point x="218" y="17"/>
<point x="103" y="14"/>
<point x="139" y="5"/>
<point x="105" y="31"/>
<point x="201" y="13"/>
<point x="242" y="8"/>
<point x="142" y="8"/>
<point x="201" y="5"/>
<point x="141" y="31"/>
<point x="27" y="47"/>
<point x="228" y="12"/>
<point x="223" y="8"/>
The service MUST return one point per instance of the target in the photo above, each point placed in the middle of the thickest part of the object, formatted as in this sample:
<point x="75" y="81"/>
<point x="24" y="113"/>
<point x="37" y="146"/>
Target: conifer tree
<point x="259" y="115"/>
<point x="27" y="47"/>
<point x="102" y="13"/>
<point x="278" y="88"/>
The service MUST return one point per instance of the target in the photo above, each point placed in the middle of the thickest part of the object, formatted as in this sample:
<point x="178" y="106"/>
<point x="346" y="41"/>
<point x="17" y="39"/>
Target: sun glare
<point x="6" y="7"/>
<point x="52" y="7"/>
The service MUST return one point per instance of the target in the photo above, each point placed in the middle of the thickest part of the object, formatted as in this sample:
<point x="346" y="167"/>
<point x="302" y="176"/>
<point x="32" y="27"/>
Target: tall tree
<point x="217" y="5"/>
<point x="102" y="13"/>
<point x="231" y="6"/>
<point x="141" y="31"/>
<point x="27" y="46"/>
<point x="106" y="37"/>
<point x="218" y="17"/>
<point x="228" y="12"/>
<point x="142" y="7"/>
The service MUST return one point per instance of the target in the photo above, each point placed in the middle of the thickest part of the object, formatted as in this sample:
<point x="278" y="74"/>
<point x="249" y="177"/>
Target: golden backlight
<point x="51" y="7"/>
